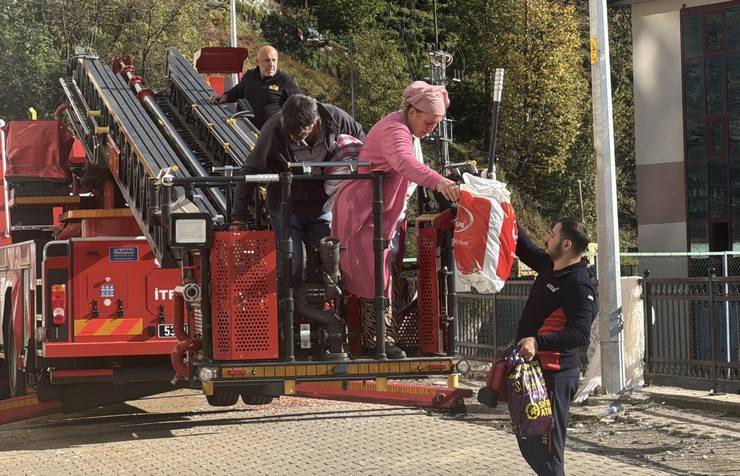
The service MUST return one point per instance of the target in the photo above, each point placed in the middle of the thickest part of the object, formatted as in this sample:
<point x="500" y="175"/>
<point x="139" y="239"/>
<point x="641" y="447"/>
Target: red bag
<point x="495" y="390"/>
<point x="485" y="234"/>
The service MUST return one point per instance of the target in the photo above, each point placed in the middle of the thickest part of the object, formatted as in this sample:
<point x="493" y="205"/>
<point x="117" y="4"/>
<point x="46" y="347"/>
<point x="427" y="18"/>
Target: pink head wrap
<point x="425" y="97"/>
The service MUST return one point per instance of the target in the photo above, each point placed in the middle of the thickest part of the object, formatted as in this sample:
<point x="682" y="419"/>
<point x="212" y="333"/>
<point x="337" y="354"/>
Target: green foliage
<point x="29" y="62"/>
<point x="620" y="31"/>
<point x="286" y="32"/>
<point x="347" y="16"/>
<point x="538" y="44"/>
<point x="380" y="76"/>
<point x="545" y="130"/>
<point x="40" y="36"/>
<point x="252" y="13"/>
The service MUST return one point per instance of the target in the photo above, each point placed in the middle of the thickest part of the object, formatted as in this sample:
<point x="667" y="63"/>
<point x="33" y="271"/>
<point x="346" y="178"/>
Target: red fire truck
<point x="120" y="276"/>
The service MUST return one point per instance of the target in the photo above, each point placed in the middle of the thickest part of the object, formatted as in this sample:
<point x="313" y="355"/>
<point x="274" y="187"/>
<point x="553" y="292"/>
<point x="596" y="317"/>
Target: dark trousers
<point x="545" y="454"/>
<point x="304" y="230"/>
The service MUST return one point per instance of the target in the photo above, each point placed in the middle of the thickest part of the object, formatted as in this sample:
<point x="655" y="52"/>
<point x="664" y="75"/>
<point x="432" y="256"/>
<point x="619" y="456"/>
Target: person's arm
<point x="531" y="254"/>
<point x="580" y="309"/>
<point x="256" y="163"/>
<point x="398" y="150"/>
<point x="238" y="91"/>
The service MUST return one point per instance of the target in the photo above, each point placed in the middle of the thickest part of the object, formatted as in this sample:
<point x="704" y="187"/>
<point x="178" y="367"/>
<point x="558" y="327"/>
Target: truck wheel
<point x="256" y="399"/>
<point x="222" y="399"/>
<point x="16" y="377"/>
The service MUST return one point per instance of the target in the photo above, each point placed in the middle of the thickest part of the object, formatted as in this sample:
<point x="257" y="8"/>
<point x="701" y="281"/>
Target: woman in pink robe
<point x="388" y="147"/>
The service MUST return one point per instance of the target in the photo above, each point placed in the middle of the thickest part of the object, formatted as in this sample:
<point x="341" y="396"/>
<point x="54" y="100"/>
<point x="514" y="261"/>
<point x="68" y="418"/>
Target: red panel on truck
<point x="244" y="295"/>
<point x="120" y="295"/>
<point x="37" y="150"/>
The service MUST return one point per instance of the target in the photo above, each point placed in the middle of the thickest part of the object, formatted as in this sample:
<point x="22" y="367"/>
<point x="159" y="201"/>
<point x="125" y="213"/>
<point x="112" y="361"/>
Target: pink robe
<point x="388" y="147"/>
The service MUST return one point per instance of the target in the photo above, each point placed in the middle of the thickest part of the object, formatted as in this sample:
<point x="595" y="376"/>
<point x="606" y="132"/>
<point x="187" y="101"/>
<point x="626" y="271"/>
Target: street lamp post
<point x="232" y="80"/>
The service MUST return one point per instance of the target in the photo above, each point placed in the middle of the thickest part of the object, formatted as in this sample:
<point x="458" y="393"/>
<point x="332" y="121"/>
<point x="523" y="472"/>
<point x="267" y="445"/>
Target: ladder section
<point x="229" y="138"/>
<point x="118" y="132"/>
<point x="198" y="148"/>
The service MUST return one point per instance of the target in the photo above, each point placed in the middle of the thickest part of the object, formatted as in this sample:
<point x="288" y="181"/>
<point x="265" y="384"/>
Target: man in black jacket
<point x="304" y="131"/>
<point x="555" y="325"/>
<point x="265" y="87"/>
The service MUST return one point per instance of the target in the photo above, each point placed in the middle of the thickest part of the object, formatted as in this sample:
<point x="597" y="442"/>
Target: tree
<point x="30" y="60"/>
<point x="40" y="36"/>
<point x="537" y="42"/>
<point x="380" y="76"/>
<point x="347" y="16"/>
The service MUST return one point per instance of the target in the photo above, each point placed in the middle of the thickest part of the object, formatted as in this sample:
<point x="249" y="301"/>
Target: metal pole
<point x="498" y="88"/>
<point x="436" y="30"/>
<point x="352" y="75"/>
<point x="712" y="330"/>
<point x="726" y="275"/>
<point x="580" y="200"/>
<point x="611" y="326"/>
<point x="379" y="245"/>
<point x="286" y="256"/>
<point x="232" y="79"/>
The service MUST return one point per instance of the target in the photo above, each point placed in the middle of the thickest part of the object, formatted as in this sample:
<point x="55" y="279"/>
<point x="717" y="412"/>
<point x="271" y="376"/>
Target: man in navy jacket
<point x="554" y="327"/>
<point x="265" y="87"/>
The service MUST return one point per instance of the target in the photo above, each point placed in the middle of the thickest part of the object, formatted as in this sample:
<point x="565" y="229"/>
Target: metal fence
<point x="487" y="322"/>
<point x="692" y="332"/>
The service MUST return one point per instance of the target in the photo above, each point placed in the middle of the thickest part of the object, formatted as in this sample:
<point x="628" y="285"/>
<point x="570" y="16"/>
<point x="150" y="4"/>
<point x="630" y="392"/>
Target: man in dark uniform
<point x="555" y="325"/>
<point x="265" y="87"/>
<point x="304" y="131"/>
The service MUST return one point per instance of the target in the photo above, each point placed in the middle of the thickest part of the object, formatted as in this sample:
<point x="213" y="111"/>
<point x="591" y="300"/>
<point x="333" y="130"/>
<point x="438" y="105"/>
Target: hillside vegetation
<point x="544" y="140"/>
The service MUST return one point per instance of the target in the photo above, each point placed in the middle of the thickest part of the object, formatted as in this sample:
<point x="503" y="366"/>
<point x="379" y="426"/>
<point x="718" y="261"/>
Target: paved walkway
<point x="177" y="433"/>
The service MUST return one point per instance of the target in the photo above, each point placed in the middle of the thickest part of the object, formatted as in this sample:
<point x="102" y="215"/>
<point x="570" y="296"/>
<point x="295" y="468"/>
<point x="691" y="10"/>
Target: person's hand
<point x="449" y="189"/>
<point x="220" y="99"/>
<point x="527" y="348"/>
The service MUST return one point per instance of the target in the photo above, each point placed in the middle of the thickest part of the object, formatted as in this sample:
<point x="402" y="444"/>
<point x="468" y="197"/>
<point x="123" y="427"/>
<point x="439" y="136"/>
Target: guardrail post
<point x="648" y="322"/>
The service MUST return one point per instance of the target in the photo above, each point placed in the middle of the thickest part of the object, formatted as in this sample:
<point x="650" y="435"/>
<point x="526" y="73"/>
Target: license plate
<point x="167" y="331"/>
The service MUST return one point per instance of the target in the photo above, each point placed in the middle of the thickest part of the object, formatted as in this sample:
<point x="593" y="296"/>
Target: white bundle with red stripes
<point x="485" y="234"/>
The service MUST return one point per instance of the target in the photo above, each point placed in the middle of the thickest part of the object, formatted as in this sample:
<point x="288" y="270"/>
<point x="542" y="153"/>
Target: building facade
<point x="687" y="124"/>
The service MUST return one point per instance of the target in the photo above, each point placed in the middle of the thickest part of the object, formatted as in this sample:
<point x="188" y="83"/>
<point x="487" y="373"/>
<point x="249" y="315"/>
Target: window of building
<point x="710" y="42"/>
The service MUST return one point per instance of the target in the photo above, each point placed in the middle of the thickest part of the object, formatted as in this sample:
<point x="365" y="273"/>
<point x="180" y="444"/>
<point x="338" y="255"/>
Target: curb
<point x="712" y="403"/>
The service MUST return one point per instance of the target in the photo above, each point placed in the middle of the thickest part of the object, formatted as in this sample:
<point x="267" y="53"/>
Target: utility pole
<point x="442" y="136"/>
<point x="232" y="80"/>
<point x="611" y="325"/>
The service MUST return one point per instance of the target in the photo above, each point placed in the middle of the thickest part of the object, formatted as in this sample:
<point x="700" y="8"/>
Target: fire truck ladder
<point x="228" y="138"/>
<point x="118" y="134"/>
